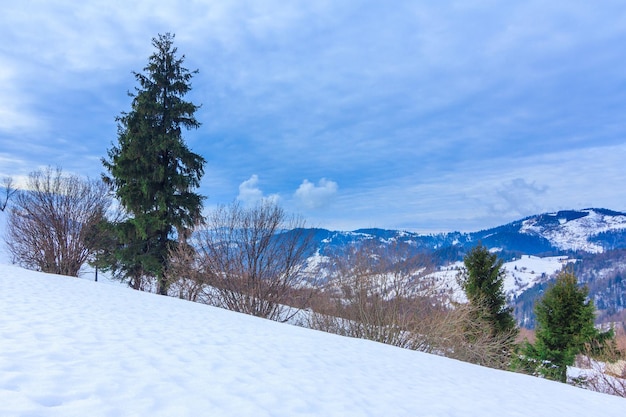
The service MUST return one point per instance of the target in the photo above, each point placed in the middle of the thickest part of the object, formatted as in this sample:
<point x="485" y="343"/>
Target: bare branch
<point x="9" y="192"/>
<point x="250" y="260"/>
<point x="383" y="294"/>
<point x="49" y="222"/>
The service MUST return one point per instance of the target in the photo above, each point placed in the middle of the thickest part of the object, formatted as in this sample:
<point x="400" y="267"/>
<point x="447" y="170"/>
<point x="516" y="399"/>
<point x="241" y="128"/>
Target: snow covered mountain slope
<point x="521" y="274"/>
<point x="71" y="347"/>
<point x="575" y="230"/>
<point x="592" y="241"/>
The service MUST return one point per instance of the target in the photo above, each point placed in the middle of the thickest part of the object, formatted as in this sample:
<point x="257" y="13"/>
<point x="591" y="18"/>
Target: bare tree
<point x="253" y="260"/>
<point x="49" y="222"/>
<point x="385" y="294"/>
<point x="601" y="379"/>
<point x="470" y="338"/>
<point x="380" y="294"/>
<point x="185" y="277"/>
<point x="604" y="368"/>
<point x="9" y="192"/>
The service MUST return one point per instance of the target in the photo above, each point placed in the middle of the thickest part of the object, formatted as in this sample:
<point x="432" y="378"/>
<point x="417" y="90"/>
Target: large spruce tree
<point x="483" y="280"/>
<point x="152" y="171"/>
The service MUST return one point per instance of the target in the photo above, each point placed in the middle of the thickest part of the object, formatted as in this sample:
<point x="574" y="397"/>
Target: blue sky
<point x="417" y="115"/>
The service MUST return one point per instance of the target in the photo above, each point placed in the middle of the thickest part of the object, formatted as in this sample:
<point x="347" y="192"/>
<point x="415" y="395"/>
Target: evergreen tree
<point x="482" y="280"/>
<point x="565" y="325"/>
<point x="152" y="171"/>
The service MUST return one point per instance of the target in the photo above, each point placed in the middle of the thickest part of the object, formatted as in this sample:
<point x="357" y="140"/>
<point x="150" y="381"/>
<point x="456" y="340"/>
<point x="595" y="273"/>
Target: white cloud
<point x="314" y="196"/>
<point x="251" y="194"/>
<point x="14" y="115"/>
<point x="519" y="198"/>
<point x="430" y="121"/>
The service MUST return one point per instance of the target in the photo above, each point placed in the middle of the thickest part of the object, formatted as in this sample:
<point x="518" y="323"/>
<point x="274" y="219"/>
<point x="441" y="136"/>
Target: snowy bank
<point x="72" y="347"/>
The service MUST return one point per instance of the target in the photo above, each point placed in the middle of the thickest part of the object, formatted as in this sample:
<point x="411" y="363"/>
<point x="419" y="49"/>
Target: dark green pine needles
<point x="151" y="169"/>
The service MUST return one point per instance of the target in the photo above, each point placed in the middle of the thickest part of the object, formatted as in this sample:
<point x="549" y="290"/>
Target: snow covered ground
<point x="525" y="272"/>
<point x="73" y="347"/>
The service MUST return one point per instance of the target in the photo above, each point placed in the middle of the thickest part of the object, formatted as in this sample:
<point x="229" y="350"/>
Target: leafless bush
<point x="605" y="370"/>
<point x="184" y="275"/>
<point x="8" y="193"/>
<point x="371" y="295"/>
<point x="599" y="377"/>
<point x="608" y="384"/>
<point x="250" y="260"/>
<point x="525" y="335"/>
<point x="474" y="341"/>
<point x="620" y="338"/>
<point x="385" y="295"/>
<point x="49" y="222"/>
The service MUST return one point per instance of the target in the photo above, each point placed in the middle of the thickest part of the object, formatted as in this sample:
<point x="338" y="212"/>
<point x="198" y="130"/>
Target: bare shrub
<point x="604" y="371"/>
<point x="608" y="384"/>
<point x="8" y="193"/>
<point x="620" y="338"/>
<point x="525" y="335"/>
<point x="474" y="341"/>
<point x="384" y="294"/>
<point x="372" y="294"/>
<point x="601" y="377"/>
<point x="50" y="221"/>
<point x="250" y="260"/>
<point x="184" y="275"/>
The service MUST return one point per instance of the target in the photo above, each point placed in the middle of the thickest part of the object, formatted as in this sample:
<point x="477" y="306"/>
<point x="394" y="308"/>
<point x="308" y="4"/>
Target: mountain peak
<point x="575" y="230"/>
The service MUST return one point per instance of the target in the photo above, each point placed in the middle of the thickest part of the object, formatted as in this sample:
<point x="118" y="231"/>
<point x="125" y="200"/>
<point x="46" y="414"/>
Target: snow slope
<point x="574" y="234"/>
<point x="526" y="271"/>
<point x="72" y="347"/>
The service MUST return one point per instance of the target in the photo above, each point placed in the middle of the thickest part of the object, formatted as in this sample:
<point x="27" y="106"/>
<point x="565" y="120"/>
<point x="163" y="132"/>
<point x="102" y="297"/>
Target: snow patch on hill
<point x="521" y="274"/>
<point x="574" y="234"/>
<point x="527" y="271"/>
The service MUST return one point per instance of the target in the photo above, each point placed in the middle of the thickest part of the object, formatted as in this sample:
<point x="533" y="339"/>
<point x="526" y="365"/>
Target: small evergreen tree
<point x="152" y="171"/>
<point x="565" y="325"/>
<point x="482" y="280"/>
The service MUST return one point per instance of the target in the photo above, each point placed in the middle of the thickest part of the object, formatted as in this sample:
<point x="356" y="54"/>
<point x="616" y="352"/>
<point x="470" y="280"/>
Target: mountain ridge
<point x="591" y="230"/>
<point x="591" y="242"/>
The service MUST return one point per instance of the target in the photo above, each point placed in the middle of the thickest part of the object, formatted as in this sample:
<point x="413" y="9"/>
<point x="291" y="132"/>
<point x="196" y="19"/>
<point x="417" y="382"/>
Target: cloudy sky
<point x="417" y="115"/>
